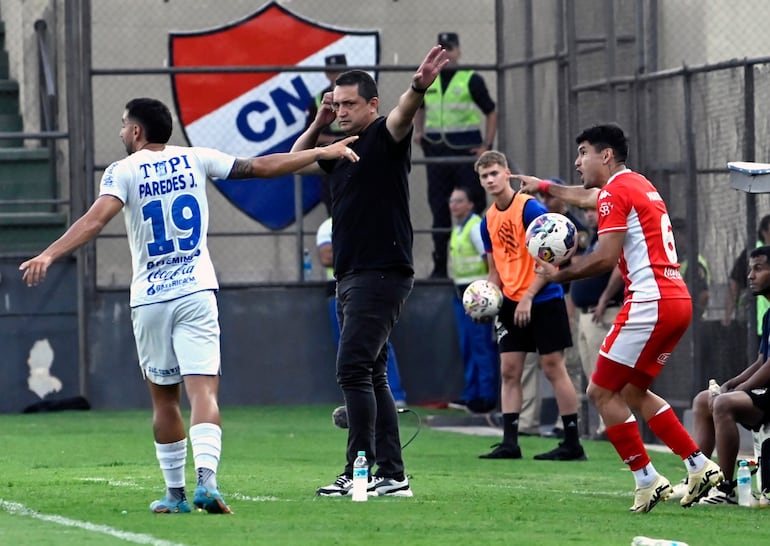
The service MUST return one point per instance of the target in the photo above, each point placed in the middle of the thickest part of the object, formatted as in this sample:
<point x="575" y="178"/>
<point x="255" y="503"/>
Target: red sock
<point x="627" y="441"/>
<point x="667" y="427"/>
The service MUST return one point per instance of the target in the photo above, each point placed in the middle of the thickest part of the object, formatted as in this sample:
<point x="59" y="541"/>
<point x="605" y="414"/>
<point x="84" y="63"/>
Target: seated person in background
<point x="325" y="256"/>
<point x="468" y="263"/>
<point x="737" y="282"/>
<point x="743" y="400"/>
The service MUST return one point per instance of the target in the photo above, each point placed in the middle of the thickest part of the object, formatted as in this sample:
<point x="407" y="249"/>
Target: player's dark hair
<point x="465" y="189"/>
<point x="367" y="88"/>
<point x="606" y="136"/>
<point x="153" y="116"/>
<point x="761" y="251"/>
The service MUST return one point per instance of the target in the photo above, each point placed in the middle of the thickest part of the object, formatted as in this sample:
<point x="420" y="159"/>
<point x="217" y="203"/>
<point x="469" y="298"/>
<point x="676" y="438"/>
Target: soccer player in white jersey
<point x="635" y="233"/>
<point x="162" y="192"/>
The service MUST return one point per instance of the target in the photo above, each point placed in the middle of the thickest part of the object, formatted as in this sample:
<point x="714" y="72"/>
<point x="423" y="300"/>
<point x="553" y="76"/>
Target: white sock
<point x="694" y="463"/>
<point x="206" y="440"/>
<point x="646" y="475"/>
<point x="172" y="458"/>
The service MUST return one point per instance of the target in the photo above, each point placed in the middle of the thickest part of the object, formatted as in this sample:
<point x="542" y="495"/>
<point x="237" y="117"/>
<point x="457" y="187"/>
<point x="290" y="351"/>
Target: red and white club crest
<point x="256" y="113"/>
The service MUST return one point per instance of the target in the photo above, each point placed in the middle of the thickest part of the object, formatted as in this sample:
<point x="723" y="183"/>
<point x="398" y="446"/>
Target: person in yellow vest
<point x="468" y="263"/>
<point x="335" y="65"/>
<point x="450" y="124"/>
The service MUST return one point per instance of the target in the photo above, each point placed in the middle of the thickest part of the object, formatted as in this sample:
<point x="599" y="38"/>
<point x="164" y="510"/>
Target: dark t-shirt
<point x="370" y="203"/>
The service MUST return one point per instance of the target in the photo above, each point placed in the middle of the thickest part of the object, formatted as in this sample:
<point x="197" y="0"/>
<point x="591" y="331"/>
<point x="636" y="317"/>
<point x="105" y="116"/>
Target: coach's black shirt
<point x="370" y="203"/>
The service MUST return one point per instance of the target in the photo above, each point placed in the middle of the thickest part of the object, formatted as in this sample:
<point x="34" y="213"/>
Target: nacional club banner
<point x="251" y="114"/>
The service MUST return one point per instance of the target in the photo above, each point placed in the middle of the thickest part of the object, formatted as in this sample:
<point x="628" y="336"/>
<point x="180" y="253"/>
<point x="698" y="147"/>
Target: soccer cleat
<point x="165" y="506"/>
<point x="503" y="451"/>
<point x="563" y="452"/>
<point x="678" y="491"/>
<point x="389" y="487"/>
<point x="724" y="493"/>
<point x="645" y="498"/>
<point x="342" y="486"/>
<point x="700" y="481"/>
<point x="210" y="500"/>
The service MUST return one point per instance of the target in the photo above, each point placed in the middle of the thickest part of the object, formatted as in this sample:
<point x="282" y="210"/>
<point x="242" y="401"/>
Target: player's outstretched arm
<point x="579" y="196"/>
<point x="86" y="228"/>
<point x="269" y="166"/>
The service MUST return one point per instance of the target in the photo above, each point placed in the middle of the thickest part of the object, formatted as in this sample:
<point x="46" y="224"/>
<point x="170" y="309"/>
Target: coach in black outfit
<point x="372" y="241"/>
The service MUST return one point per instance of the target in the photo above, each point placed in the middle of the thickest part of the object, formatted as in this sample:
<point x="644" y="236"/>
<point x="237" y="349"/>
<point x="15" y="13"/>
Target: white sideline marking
<point x="17" y="509"/>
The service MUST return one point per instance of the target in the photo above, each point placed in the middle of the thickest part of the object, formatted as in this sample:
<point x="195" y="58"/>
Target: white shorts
<point x="178" y="337"/>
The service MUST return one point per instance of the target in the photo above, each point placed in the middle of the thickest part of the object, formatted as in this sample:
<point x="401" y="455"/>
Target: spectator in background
<point x="326" y="256"/>
<point x="468" y="263"/>
<point x="737" y="282"/>
<point x="450" y="124"/>
<point x="597" y="301"/>
<point x="335" y="65"/>
<point x="700" y="290"/>
<point x="743" y="399"/>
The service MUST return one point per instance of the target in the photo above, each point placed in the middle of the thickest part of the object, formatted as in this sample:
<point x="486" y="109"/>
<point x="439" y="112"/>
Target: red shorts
<point x="640" y="341"/>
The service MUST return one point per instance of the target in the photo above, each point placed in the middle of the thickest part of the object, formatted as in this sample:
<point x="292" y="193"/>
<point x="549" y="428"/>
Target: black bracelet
<point x="418" y="90"/>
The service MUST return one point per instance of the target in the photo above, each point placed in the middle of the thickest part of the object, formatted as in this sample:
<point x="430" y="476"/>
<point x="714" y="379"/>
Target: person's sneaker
<point x="554" y="432"/>
<point x="503" y="451"/>
<point x="210" y="500"/>
<point x="481" y="405"/>
<point x="645" y="498"/>
<point x="342" y="486"/>
<point x="165" y="506"/>
<point x="764" y="499"/>
<point x="401" y="404"/>
<point x="678" y="491"/>
<point x="724" y="493"/>
<point x="458" y="405"/>
<point x="563" y="452"/>
<point x="390" y="487"/>
<point x="699" y="482"/>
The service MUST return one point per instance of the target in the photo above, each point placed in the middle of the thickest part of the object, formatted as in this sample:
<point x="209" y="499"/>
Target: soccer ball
<point x="552" y="237"/>
<point x="482" y="299"/>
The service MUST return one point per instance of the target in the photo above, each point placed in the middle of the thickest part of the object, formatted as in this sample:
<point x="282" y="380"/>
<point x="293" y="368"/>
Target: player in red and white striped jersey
<point x="634" y="232"/>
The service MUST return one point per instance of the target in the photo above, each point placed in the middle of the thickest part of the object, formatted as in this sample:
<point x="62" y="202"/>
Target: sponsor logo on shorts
<point x="157" y="371"/>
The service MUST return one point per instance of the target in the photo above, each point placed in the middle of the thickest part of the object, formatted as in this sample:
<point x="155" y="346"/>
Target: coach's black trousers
<point x="368" y="306"/>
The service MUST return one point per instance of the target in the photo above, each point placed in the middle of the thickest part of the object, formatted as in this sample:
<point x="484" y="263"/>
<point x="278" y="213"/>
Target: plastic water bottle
<point x="360" y="477"/>
<point x="307" y="266"/>
<point x="745" y="497"/>
<point x="647" y="541"/>
<point x="713" y="387"/>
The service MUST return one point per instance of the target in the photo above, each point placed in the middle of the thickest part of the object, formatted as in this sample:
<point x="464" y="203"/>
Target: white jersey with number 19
<point x="649" y="264"/>
<point x="167" y="218"/>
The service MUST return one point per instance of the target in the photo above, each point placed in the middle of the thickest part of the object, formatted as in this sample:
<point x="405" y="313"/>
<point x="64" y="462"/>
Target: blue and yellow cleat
<point x="210" y="500"/>
<point x="165" y="506"/>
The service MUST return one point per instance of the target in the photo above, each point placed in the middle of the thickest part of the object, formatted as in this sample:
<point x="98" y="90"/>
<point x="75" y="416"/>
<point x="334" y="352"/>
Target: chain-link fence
<point x="666" y="70"/>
